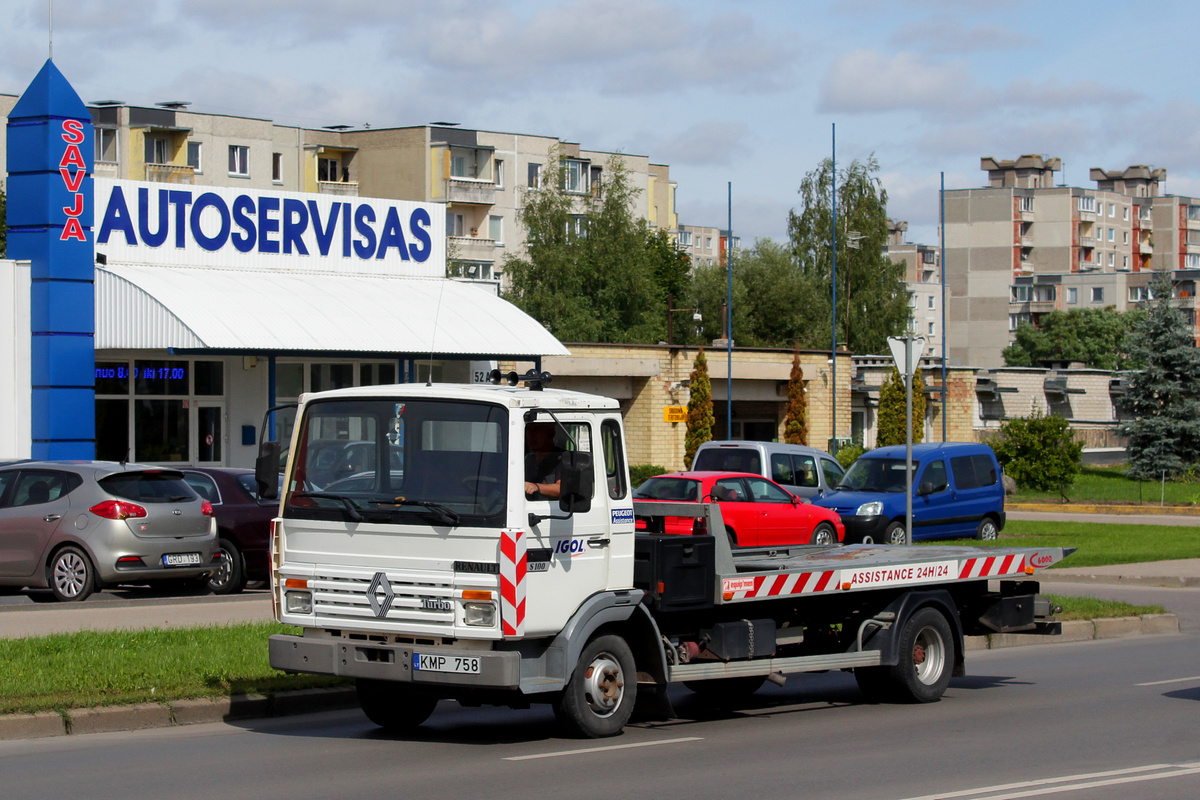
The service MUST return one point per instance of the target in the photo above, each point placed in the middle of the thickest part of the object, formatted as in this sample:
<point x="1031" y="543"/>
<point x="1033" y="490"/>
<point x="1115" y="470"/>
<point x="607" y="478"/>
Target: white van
<point x="804" y="471"/>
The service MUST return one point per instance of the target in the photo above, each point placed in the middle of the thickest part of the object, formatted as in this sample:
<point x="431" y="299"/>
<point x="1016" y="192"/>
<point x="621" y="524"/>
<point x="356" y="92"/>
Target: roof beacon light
<point x="534" y="379"/>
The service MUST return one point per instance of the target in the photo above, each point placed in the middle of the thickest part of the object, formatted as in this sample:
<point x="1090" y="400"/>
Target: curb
<point x="1079" y="631"/>
<point x="1076" y="575"/>
<point x="141" y="716"/>
<point x="1089" y="508"/>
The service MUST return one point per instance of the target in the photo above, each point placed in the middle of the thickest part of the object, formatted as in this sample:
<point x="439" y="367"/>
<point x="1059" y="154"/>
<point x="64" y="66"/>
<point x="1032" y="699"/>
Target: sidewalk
<point x="1175" y="574"/>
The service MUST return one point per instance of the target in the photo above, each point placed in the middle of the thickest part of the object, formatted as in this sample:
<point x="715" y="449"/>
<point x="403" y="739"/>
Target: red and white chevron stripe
<point x="512" y="582"/>
<point x="992" y="566"/>
<point x="780" y="585"/>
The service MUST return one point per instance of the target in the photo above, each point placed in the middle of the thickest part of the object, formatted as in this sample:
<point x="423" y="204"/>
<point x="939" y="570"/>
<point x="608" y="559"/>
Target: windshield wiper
<point x="436" y="510"/>
<point x="351" y="509"/>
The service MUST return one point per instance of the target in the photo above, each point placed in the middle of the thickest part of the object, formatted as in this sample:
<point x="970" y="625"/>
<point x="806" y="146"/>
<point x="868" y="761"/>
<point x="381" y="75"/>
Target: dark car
<point x="243" y="524"/>
<point x="77" y="526"/>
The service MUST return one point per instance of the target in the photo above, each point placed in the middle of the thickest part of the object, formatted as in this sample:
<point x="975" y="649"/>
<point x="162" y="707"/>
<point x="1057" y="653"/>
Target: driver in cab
<point x="542" y="461"/>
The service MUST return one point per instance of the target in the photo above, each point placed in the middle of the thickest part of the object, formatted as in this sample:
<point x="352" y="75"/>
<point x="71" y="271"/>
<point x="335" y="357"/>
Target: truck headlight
<point x="298" y="602"/>
<point x="872" y="509"/>
<point x="482" y="615"/>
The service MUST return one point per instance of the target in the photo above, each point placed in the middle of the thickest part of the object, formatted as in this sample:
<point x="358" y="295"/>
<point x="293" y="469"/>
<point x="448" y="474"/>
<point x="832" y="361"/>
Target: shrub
<point x="1039" y="452"/>
<point x="849" y="454"/>
<point x="638" y="473"/>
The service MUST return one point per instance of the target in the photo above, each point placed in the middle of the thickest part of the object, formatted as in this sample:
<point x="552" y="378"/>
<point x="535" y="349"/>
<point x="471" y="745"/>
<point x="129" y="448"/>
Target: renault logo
<point x="380" y="595"/>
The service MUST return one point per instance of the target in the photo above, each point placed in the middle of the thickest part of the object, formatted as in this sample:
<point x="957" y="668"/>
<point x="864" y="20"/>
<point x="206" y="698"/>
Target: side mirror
<point x="266" y="470"/>
<point x="925" y="488"/>
<point x="577" y="479"/>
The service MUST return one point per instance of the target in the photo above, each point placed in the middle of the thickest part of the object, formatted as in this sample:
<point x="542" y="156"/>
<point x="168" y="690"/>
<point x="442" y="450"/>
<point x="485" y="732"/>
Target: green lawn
<point x="96" y="668"/>
<point x="1109" y="485"/>
<point x="1101" y="544"/>
<point x="1081" y="608"/>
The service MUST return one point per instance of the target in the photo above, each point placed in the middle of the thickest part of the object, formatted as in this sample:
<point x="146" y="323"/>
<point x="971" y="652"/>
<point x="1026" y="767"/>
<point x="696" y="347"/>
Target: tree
<point x="1163" y="397"/>
<point x="1093" y="336"/>
<point x="1039" y="452"/>
<point x="700" y="418"/>
<point x="592" y="272"/>
<point x="892" y="415"/>
<point x="795" y="419"/>
<point x="872" y="298"/>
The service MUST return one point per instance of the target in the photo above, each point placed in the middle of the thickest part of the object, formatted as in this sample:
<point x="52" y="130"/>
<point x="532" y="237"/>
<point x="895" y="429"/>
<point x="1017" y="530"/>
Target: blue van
<point x="957" y="493"/>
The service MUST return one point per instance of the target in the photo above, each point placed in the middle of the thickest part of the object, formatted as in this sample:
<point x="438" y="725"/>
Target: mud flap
<point x="653" y="704"/>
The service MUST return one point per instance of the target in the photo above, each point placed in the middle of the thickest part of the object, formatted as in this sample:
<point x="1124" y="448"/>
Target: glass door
<point x="210" y="434"/>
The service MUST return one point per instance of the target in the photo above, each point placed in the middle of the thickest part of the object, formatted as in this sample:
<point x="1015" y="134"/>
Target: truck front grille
<point x="399" y="601"/>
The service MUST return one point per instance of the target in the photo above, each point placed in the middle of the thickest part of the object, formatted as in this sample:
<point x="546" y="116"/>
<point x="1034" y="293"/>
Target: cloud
<point x="867" y="81"/>
<point x="704" y="143"/>
<point x="951" y="36"/>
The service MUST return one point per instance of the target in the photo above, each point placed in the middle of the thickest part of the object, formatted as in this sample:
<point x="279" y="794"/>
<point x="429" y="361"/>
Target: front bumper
<point x="391" y="662"/>
<point x="859" y="527"/>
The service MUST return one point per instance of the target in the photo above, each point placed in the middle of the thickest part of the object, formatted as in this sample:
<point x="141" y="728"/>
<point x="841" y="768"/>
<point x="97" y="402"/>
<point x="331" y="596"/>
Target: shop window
<point x="112" y="377"/>
<point x="289" y="380"/>
<point x="160" y="377"/>
<point x="209" y="378"/>
<point x="160" y="429"/>
<point x="376" y="374"/>
<point x="331" y="376"/>
<point x="112" y="429"/>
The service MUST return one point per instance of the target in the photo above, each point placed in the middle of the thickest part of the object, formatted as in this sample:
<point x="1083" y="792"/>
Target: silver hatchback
<point x="75" y="526"/>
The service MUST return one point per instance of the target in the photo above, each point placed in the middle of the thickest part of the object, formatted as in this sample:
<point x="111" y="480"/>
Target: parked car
<point x="757" y="512"/>
<point x="957" y="493"/>
<point x="76" y="526"/>
<point x="243" y="525"/>
<point x="804" y="471"/>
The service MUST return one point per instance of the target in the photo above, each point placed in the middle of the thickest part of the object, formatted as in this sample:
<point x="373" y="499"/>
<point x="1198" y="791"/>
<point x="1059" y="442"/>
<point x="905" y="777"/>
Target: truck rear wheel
<point x="395" y="707"/>
<point x="926" y="663"/>
<point x="599" y="698"/>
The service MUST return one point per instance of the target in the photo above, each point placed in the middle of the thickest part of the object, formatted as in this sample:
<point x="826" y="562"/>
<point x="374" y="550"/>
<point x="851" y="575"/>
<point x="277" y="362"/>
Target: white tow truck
<point x="417" y="565"/>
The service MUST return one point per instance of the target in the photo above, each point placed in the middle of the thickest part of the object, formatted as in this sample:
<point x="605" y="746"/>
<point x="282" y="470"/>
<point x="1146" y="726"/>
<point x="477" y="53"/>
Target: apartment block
<point x="1024" y="246"/>
<point x="923" y="279"/>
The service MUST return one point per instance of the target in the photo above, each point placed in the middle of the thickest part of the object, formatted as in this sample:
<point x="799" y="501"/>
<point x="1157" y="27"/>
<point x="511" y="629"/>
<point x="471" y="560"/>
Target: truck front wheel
<point x="395" y="707"/>
<point x="599" y="698"/>
<point x="926" y="663"/>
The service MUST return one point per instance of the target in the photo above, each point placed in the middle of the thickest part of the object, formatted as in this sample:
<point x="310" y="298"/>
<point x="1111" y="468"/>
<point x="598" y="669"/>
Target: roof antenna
<point x="433" y="335"/>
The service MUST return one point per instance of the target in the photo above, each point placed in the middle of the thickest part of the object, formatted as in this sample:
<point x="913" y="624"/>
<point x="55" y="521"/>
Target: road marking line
<point x="1062" y="784"/>
<point x="1173" y="680"/>
<point x="589" y="750"/>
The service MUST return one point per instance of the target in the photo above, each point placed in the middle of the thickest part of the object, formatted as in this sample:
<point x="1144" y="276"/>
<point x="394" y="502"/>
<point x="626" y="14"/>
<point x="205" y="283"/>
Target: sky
<point x="739" y="97"/>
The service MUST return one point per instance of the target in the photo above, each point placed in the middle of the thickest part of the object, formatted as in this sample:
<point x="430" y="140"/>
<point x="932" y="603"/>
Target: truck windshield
<point x="876" y="475"/>
<point x="404" y="461"/>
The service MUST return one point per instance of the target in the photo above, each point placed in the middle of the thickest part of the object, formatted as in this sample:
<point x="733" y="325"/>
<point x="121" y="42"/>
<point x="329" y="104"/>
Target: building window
<point x="1139" y="293"/>
<point x="156" y="150"/>
<point x="932" y="332"/>
<point x="1044" y="294"/>
<point x="327" y="170"/>
<point x="594" y="176"/>
<point x="1015" y="320"/>
<point x="1020" y="294"/>
<point x="928" y="257"/>
<point x="1025" y="203"/>
<point x="1097" y="294"/>
<point x="1125" y="213"/>
<point x="195" y="156"/>
<point x="239" y="160"/>
<point x="277" y="167"/>
<point x="575" y="176"/>
<point x="1072" y="295"/>
<point x="1112" y="209"/>
<point x="496" y="228"/>
<point x="535" y="175"/>
<point x="1087" y="204"/>
<point x="106" y="145"/>
<point x="1125" y="263"/>
<point x="684" y="238"/>
<point x="1125" y="237"/>
<point x="708" y="246"/>
<point x="1112" y="233"/>
<point x="1191" y="260"/>
<point x="455" y="225"/>
<point x="498" y="172"/>
<point x="932" y="305"/>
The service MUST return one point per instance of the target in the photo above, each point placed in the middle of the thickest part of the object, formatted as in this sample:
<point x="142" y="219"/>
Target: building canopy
<point x="152" y="307"/>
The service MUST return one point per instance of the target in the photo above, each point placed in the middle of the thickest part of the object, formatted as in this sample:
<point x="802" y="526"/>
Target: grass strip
<point x="1109" y="485"/>
<point x="99" y="668"/>
<point x="1099" y="544"/>
<point x="1079" y="608"/>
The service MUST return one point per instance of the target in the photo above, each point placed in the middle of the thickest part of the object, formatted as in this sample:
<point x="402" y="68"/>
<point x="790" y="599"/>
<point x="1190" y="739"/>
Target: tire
<point x="733" y="542"/>
<point x="600" y="695"/>
<point x="824" y="534"/>
<point x="395" y="707"/>
<point x="987" y="531"/>
<point x="230" y="577"/>
<point x="725" y="690"/>
<point x="926" y="663"/>
<point x="71" y="575"/>
<point x="894" y="533"/>
<point x="867" y="539"/>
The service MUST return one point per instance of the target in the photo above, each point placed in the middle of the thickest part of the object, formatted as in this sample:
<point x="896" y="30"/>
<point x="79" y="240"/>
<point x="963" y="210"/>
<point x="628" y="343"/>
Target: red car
<point x="757" y="512"/>
<point x="243" y="524"/>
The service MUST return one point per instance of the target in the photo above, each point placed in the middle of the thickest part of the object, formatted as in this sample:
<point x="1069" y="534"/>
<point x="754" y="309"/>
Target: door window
<point x="935" y="475"/>
<point x="35" y="487"/>
<point x="764" y="491"/>
<point x="806" y="471"/>
<point x="614" y="459"/>
<point x="729" y="490"/>
<point x="971" y="472"/>
<point x="833" y="472"/>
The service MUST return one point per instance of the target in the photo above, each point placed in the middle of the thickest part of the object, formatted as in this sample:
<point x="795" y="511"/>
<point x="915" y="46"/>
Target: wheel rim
<point x="896" y="537"/>
<point x="822" y="536"/>
<point x="989" y="530"/>
<point x="224" y="573"/>
<point x="604" y="684"/>
<point x="70" y="574"/>
<point x="929" y="656"/>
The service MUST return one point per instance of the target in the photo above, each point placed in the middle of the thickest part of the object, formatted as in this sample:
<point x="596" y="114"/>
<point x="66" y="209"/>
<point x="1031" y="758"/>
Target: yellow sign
<point x="675" y="414"/>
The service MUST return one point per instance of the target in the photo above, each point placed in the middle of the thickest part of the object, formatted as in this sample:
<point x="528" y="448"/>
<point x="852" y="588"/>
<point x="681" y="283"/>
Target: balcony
<point x="472" y="248"/>
<point x="470" y="190"/>
<point x="170" y="173"/>
<point x="1088" y="241"/>
<point x="339" y="188"/>
<point x="1145" y="246"/>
